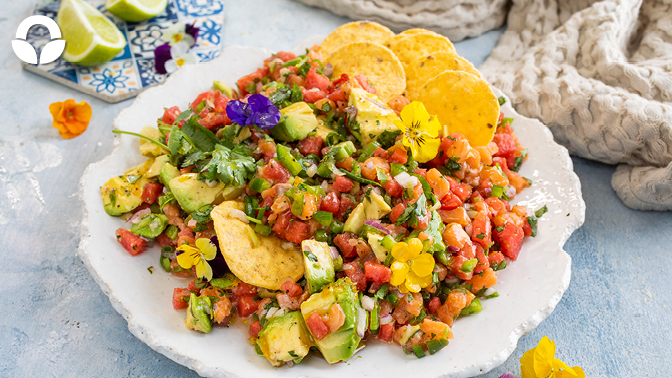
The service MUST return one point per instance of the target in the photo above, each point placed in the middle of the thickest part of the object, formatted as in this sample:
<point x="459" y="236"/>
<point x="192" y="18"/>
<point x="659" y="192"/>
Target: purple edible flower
<point x="218" y="264"/>
<point x="161" y="56"/>
<point x="258" y="111"/>
<point x="507" y="375"/>
<point x="192" y="31"/>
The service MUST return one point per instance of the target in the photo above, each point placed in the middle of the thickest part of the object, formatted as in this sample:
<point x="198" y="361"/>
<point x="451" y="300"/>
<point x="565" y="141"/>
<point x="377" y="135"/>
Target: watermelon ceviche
<point x="389" y="249"/>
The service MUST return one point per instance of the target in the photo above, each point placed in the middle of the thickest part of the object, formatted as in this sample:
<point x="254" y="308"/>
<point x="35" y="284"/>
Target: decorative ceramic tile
<point x="132" y="70"/>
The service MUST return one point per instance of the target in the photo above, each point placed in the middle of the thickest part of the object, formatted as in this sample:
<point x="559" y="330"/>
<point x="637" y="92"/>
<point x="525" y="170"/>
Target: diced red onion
<point x="352" y="112"/>
<point x="368" y="303"/>
<point x="487" y="191"/>
<point x="138" y="215"/>
<point x="453" y="248"/>
<point x="369" y="165"/>
<point x="334" y="252"/>
<point x="377" y="225"/>
<point x="472" y="214"/>
<point x="165" y="190"/>
<point x="377" y="191"/>
<point x="362" y="317"/>
<point x="386" y="319"/>
<point x="396" y="292"/>
<point x="328" y="69"/>
<point x="193" y="223"/>
<point x="510" y="191"/>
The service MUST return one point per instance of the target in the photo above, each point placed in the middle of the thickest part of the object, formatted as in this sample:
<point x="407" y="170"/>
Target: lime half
<point x="136" y="10"/>
<point x="90" y="37"/>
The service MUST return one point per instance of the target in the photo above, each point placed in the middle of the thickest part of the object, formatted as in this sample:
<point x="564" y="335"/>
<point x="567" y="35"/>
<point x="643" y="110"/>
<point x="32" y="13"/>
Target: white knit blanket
<point x="599" y="75"/>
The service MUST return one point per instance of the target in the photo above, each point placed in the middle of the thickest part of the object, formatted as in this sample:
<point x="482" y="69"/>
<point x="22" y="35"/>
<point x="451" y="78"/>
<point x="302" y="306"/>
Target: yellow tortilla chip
<point x="463" y="103"/>
<point x="374" y="61"/>
<point x="411" y="46"/>
<point x="421" y="70"/>
<point x="358" y="31"/>
<point x="268" y="264"/>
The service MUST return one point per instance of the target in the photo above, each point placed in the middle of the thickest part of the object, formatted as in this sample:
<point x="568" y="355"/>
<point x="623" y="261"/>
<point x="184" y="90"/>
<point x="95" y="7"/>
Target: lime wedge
<point x="136" y="10"/>
<point x="90" y="37"/>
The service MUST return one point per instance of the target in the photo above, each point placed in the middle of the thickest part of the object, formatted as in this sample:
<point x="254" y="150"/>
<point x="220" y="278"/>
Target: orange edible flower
<point x="70" y="118"/>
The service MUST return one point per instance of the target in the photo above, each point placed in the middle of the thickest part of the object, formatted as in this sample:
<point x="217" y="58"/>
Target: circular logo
<point x="50" y="52"/>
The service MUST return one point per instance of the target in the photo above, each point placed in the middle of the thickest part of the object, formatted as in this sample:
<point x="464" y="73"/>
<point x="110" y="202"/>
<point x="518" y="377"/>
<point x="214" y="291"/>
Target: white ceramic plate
<point x="529" y="289"/>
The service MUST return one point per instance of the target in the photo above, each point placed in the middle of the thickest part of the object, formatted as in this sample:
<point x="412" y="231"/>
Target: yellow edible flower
<point x="540" y="362"/>
<point x="420" y="131"/>
<point x="188" y="256"/>
<point x="411" y="269"/>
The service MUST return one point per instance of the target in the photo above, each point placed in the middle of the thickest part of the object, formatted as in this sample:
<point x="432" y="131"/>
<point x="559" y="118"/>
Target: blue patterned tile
<point x="209" y="33"/>
<point x="144" y="38"/>
<point x="148" y="75"/>
<point x="199" y="8"/>
<point x="206" y="56"/>
<point x="110" y="78"/>
<point x="70" y="74"/>
<point x="169" y="15"/>
<point x="126" y="52"/>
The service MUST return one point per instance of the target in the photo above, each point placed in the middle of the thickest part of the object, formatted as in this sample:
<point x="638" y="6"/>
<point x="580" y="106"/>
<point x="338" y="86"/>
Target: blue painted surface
<point x="614" y="320"/>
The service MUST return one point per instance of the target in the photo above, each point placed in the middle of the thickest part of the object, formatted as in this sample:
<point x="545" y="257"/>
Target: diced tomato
<point x="346" y="205"/>
<point x="151" y="192"/>
<point x="187" y="169"/>
<point x="180" y="298"/>
<point x="203" y="96"/>
<point x="131" y="242"/>
<point x="330" y="203"/>
<point x="246" y="306"/>
<point x="481" y="230"/>
<point x="483" y="262"/>
<point x="275" y="171"/>
<point x="285" y="56"/>
<point x="297" y="231"/>
<point x="377" y="272"/>
<point x="527" y="229"/>
<point x="258" y="74"/>
<point x="442" y="157"/>
<point x="495" y="258"/>
<point x="396" y="212"/>
<point x="311" y="146"/>
<point x="281" y="223"/>
<point x="317" y="326"/>
<point x="170" y="114"/>
<point x="399" y="156"/>
<point x="393" y="188"/>
<point x="510" y="240"/>
<point x="342" y="184"/>
<point x="505" y="144"/>
<point x="291" y="288"/>
<point x="364" y="82"/>
<point x="255" y="328"/>
<point x="379" y="152"/>
<point x="434" y="305"/>
<point x="337" y="96"/>
<point x="354" y="271"/>
<point x="456" y="268"/>
<point x="342" y="241"/>
<point x="312" y="96"/>
<point x="386" y="331"/>
<point x="450" y="202"/>
<point x="315" y="80"/>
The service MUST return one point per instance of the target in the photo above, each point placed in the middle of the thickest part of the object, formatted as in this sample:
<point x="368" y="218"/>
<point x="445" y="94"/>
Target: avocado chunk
<point x="376" y="246"/>
<point x="355" y="221"/>
<point x="197" y="314"/>
<point x="322" y="131"/>
<point x="192" y="193"/>
<point x="285" y="338"/>
<point x="373" y="115"/>
<point x="375" y="206"/>
<point x="123" y="193"/>
<point x="150" y="225"/>
<point x="224" y="88"/>
<point x="156" y="167"/>
<point x="319" y="266"/>
<point x="339" y="345"/>
<point x="148" y="148"/>
<point x="296" y="122"/>
<point x="167" y="173"/>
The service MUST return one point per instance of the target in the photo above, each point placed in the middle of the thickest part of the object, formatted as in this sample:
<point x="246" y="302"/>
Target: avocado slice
<point x="197" y="315"/>
<point x="224" y="88"/>
<point x="150" y="225"/>
<point x="318" y="263"/>
<point x="355" y="221"/>
<point x="123" y="193"/>
<point x="156" y="167"/>
<point x="296" y="122"/>
<point x="322" y="130"/>
<point x="192" y="193"/>
<point x="167" y="173"/>
<point x="341" y="344"/>
<point x="375" y="206"/>
<point x="373" y="115"/>
<point x="148" y="148"/>
<point x="285" y="338"/>
<point x="375" y="242"/>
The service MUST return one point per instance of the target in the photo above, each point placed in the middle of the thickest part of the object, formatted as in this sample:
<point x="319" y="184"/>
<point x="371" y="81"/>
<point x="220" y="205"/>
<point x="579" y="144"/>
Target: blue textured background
<point x="614" y="320"/>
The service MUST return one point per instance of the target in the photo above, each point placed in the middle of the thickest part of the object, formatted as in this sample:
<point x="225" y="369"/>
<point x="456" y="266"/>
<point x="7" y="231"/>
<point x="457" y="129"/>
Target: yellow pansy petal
<point x="425" y="281"/>
<point x="527" y="364"/>
<point x="543" y="357"/>
<point x="413" y="282"/>
<point x="428" y="149"/>
<point x="399" y="271"/>
<point x="187" y="256"/>
<point x="398" y="249"/>
<point x="423" y="265"/>
<point x="203" y="270"/>
<point x="433" y="126"/>
<point x="415" y="114"/>
<point x="208" y="248"/>
<point x="400" y="125"/>
<point x="415" y="247"/>
<point x="403" y="289"/>
<point x="559" y="365"/>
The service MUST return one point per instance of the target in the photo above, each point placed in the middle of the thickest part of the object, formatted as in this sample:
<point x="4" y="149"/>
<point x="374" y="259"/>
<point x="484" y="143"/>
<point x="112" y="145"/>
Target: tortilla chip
<point x="463" y="103"/>
<point x="267" y="265"/>
<point x="374" y="61"/>
<point x="411" y="46"/>
<point x="421" y="70"/>
<point x="358" y="31"/>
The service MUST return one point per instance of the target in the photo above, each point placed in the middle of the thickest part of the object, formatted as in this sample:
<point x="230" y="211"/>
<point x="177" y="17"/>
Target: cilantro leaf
<point x="426" y="188"/>
<point x="229" y="167"/>
<point x="541" y="212"/>
<point x="202" y="214"/>
<point x="387" y="138"/>
<point x="202" y="138"/>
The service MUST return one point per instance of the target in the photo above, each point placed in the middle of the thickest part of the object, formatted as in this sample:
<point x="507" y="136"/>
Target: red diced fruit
<point x="297" y="231"/>
<point x="170" y="115"/>
<point x="255" y="328"/>
<point x="346" y="205"/>
<point x="397" y="211"/>
<point x="481" y="230"/>
<point x="246" y="306"/>
<point x="310" y="146"/>
<point x="243" y="81"/>
<point x="331" y="203"/>
<point x="316" y="80"/>
<point x="342" y="241"/>
<point x="385" y="333"/>
<point x="312" y="96"/>
<point x="510" y="240"/>
<point x="495" y="258"/>
<point x="275" y="172"/>
<point x="434" y="305"/>
<point x="393" y="188"/>
<point x="399" y="156"/>
<point x="342" y="184"/>
<point x="285" y="56"/>
<point x="450" y="202"/>
<point x="364" y="83"/>
<point x="131" y="242"/>
<point x="180" y="298"/>
<point x="151" y="192"/>
<point x="243" y="289"/>
<point x="354" y="271"/>
<point x="505" y="144"/>
<point x="317" y="326"/>
<point x="379" y="152"/>
<point x="291" y="288"/>
<point x="377" y="272"/>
